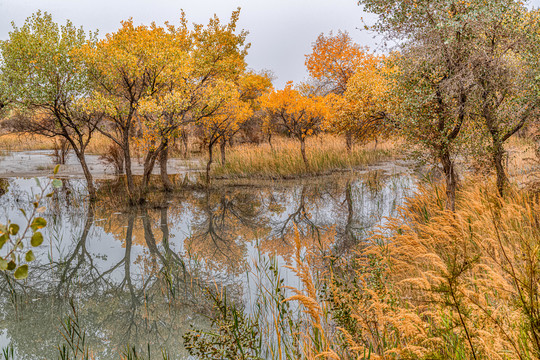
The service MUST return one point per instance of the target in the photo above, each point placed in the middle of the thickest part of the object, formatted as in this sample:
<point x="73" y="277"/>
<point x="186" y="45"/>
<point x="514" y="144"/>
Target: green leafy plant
<point x="18" y="241"/>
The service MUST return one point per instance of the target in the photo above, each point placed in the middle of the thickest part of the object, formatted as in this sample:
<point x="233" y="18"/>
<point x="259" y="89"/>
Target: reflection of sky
<point x="325" y="207"/>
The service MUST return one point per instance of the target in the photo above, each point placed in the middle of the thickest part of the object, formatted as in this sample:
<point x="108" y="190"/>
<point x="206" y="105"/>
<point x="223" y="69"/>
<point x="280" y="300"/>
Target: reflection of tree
<point x="224" y="222"/>
<point x="145" y="291"/>
<point x="113" y="311"/>
<point x="300" y="213"/>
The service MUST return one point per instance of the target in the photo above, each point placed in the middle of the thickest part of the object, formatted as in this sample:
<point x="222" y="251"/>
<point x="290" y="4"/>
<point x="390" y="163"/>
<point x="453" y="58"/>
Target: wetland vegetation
<point x="161" y="200"/>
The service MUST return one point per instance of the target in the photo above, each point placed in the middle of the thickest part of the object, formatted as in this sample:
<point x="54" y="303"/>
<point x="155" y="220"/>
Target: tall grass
<point x="28" y="142"/>
<point x="283" y="159"/>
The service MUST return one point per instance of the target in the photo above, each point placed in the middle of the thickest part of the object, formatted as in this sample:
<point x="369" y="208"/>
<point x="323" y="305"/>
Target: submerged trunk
<point x="149" y="162"/>
<point x="163" y="158"/>
<point x="209" y="163"/>
<point x="88" y="176"/>
<point x="130" y="186"/>
<point x="222" y="149"/>
<point x="79" y="152"/>
<point x="451" y="180"/>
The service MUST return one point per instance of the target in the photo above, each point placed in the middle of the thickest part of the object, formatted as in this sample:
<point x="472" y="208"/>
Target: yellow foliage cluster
<point x="360" y="110"/>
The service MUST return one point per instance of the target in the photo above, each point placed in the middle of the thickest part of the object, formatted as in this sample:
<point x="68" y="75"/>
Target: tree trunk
<point x="87" y="174"/>
<point x="130" y="186"/>
<point x="163" y="158"/>
<point x="149" y="162"/>
<point x="184" y="138"/>
<point x="303" y="151"/>
<point x="498" y="157"/>
<point x="348" y="141"/>
<point x="222" y="149"/>
<point x="451" y="180"/>
<point x="209" y="163"/>
<point x="270" y="141"/>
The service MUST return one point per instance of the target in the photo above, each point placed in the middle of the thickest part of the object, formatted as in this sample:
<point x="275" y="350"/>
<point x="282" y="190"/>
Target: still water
<point x="136" y="276"/>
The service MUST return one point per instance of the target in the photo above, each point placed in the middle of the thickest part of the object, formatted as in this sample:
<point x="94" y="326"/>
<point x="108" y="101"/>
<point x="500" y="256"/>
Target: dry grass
<point x="30" y="142"/>
<point x="440" y="285"/>
<point x="325" y="154"/>
<point x="23" y="142"/>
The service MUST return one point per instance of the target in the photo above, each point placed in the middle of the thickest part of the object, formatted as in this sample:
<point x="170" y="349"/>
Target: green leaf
<point x="56" y="168"/>
<point x="11" y="265"/>
<point x="57" y="183"/>
<point x="37" y="239"/>
<point x="3" y="239"/>
<point x="30" y="256"/>
<point x="21" y="273"/>
<point x="38" y="223"/>
<point x="3" y="264"/>
<point x="13" y="229"/>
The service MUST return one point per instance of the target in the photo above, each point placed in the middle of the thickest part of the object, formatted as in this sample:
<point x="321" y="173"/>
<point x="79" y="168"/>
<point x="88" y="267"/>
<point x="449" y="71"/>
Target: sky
<point x="281" y="32"/>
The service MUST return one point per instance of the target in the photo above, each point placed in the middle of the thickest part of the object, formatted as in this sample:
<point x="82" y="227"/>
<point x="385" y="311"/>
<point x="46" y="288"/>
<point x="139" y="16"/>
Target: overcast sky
<point x="280" y="31"/>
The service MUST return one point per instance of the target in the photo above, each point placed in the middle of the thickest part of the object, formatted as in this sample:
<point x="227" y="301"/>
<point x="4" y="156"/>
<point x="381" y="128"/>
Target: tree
<point x="216" y="57"/>
<point x="128" y="67"/>
<point x="333" y="61"/>
<point x="225" y="122"/>
<point x="432" y="80"/>
<point x="505" y="73"/>
<point x="299" y="115"/>
<point x="46" y="80"/>
<point x="359" y="112"/>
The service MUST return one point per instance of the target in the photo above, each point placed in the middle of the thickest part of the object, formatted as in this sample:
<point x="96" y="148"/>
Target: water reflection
<point x="136" y="276"/>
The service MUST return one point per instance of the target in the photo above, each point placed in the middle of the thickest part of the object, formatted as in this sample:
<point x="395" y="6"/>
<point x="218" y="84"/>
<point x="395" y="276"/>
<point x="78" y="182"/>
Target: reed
<point x="283" y="159"/>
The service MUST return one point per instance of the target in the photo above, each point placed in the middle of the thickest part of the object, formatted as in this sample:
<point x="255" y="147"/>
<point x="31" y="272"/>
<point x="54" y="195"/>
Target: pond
<point x="136" y="277"/>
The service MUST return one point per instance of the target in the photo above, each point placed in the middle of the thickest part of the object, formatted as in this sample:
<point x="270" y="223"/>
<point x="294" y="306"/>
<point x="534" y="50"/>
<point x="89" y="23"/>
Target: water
<point x="137" y="276"/>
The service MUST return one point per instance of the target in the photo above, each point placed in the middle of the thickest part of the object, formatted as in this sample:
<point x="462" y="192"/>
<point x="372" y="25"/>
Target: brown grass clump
<point x="441" y="285"/>
<point x="283" y="159"/>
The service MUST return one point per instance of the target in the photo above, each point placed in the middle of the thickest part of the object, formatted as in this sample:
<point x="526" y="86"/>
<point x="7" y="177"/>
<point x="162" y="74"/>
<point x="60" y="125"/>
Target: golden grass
<point x="325" y="154"/>
<point x="30" y="142"/>
<point x="448" y="285"/>
<point x="23" y="142"/>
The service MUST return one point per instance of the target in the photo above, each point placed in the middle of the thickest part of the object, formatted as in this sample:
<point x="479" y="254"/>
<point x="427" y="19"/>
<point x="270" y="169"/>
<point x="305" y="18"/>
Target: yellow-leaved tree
<point x="151" y="80"/>
<point x="128" y="67"/>
<point x="360" y="111"/>
<point x="230" y="113"/>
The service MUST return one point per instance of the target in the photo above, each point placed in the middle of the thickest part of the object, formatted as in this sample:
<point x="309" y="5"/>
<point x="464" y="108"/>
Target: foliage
<point x="334" y="60"/>
<point x="48" y="84"/>
<point x="236" y="337"/>
<point x="297" y="114"/>
<point x="17" y="243"/>
<point x="360" y="111"/>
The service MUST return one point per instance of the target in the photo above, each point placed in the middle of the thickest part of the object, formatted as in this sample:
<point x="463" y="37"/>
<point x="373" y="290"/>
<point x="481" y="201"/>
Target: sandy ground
<point x="41" y="163"/>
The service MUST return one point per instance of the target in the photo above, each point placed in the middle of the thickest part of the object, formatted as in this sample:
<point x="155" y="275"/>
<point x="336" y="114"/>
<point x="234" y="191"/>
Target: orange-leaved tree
<point x="298" y="114"/>
<point x="334" y="59"/>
